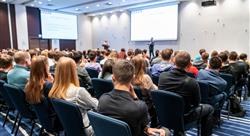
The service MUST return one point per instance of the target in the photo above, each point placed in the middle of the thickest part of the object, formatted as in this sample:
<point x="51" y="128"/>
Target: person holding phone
<point x="122" y="102"/>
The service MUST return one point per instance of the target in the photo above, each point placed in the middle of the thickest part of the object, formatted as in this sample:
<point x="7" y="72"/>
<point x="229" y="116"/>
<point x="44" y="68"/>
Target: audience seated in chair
<point x="19" y="75"/>
<point x="179" y="82"/>
<point x="38" y="87"/>
<point x="5" y="66"/>
<point x="164" y="65"/>
<point x="85" y="80"/>
<point x="146" y="85"/>
<point x="123" y="104"/>
<point x="202" y="64"/>
<point x="107" y="70"/>
<point x="217" y="84"/>
<point x="92" y="64"/>
<point x="66" y="86"/>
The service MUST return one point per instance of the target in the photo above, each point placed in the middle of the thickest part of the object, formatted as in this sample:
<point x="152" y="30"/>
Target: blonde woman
<point x="66" y="86"/>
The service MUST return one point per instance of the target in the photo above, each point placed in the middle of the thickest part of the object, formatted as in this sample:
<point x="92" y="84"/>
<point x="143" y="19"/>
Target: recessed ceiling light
<point x="32" y="5"/>
<point x="49" y="0"/>
<point x="4" y="0"/>
<point x="98" y="5"/>
<point x="123" y="0"/>
<point x="121" y="10"/>
<point x="87" y="7"/>
<point x="111" y="12"/>
<point x="40" y="2"/>
<point x="109" y="3"/>
<point x="77" y="9"/>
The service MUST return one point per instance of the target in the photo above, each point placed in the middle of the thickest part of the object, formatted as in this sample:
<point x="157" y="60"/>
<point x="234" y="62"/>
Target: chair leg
<point x="228" y="108"/>
<point x="41" y="131"/>
<point x="18" y="124"/>
<point x="6" y="116"/>
<point x="33" y="125"/>
<point x="14" y="125"/>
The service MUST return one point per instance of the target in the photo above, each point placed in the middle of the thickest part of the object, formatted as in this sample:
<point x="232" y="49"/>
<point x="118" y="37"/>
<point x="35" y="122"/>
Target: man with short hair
<point x="19" y="75"/>
<point x="179" y="82"/>
<point x="216" y="83"/>
<point x="123" y="104"/>
<point x="164" y="65"/>
<point x="5" y="66"/>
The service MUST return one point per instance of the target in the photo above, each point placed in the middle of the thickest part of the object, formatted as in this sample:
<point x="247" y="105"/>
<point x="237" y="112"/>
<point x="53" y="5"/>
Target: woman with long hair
<point x="66" y="86"/>
<point x="40" y="81"/>
<point x="146" y="85"/>
<point x="107" y="70"/>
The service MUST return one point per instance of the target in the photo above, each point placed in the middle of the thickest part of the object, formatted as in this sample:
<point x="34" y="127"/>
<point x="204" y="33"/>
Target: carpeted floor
<point x="232" y="127"/>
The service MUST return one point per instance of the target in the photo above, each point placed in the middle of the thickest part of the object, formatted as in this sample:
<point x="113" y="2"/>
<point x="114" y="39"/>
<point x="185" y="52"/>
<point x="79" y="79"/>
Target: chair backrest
<point x="70" y="117"/>
<point x="92" y="73"/>
<point x="138" y="92"/>
<point x="43" y="113"/>
<point x="169" y="108"/>
<point x="5" y="95"/>
<point x="155" y="79"/>
<point x="101" y="86"/>
<point x="107" y="126"/>
<point x="17" y="97"/>
<point x="204" y="90"/>
<point x="230" y="81"/>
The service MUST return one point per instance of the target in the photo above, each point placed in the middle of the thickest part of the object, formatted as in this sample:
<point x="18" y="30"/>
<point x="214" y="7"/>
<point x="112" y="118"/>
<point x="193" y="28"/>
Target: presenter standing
<point x="151" y="47"/>
<point x="105" y="45"/>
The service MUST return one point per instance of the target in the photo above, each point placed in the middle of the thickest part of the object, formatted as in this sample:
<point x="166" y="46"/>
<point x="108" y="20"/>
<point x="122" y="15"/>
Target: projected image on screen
<point x="58" y="25"/>
<point x="160" y="23"/>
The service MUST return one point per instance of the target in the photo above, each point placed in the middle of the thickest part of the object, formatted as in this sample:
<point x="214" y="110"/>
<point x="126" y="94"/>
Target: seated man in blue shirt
<point x="19" y="75"/>
<point x="164" y="65"/>
<point x="216" y="83"/>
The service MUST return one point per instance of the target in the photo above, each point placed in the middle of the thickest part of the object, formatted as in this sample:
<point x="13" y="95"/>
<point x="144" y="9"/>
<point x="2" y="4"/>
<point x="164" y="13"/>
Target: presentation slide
<point x="58" y="25"/>
<point x="161" y="23"/>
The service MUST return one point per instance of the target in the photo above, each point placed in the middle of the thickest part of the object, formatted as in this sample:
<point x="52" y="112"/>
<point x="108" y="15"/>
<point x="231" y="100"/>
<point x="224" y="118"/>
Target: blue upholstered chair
<point x="9" y="104"/>
<point x="101" y="86"/>
<point x="70" y="117"/>
<point x="92" y="73"/>
<point x="170" y="111"/>
<point x="107" y="126"/>
<point x="17" y="97"/>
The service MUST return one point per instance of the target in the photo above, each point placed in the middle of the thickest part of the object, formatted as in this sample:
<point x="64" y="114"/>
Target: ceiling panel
<point x="86" y="6"/>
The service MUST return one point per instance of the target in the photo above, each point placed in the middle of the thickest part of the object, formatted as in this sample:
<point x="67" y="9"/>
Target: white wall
<point x="21" y="27"/>
<point x="84" y="41"/>
<point x="222" y="27"/>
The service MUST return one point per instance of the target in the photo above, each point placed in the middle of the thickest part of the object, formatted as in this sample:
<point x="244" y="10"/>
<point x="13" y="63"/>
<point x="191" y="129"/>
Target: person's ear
<point x="113" y="79"/>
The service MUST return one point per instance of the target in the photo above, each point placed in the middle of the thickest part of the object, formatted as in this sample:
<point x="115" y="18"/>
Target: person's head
<point x="157" y="53"/>
<point x="58" y="55"/>
<point x="243" y="56"/>
<point x="204" y="57"/>
<point x="202" y="51"/>
<point x="144" y="51"/>
<point x="123" y="50"/>
<point x="139" y="64"/>
<point x="215" y="63"/>
<point x="123" y="72"/>
<point x="138" y="51"/>
<point x="65" y="75"/>
<point x="214" y="54"/>
<point x="92" y="56"/>
<point x="233" y="56"/>
<point x="76" y="56"/>
<point x="182" y="60"/>
<point x="38" y="74"/>
<point x="22" y="58"/>
<point x="107" y="67"/>
<point x="223" y="56"/>
<point x="6" y="61"/>
<point x="113" y="55"/>
<point x="152" y="39"/>
<point x="166" y="54"/>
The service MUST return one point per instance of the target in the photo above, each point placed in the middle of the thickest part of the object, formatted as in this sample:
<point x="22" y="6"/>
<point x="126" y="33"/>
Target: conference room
<point x="124" y="67"/>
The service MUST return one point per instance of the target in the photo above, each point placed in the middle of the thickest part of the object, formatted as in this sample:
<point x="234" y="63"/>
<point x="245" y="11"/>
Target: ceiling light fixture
<point x="123" y="0"/>
<point x="77" y="9"/>
<point x="4" y="0"/>
<point x="32" y="5"/>
<point x="40" y="2"/>
<point x="98" y="5"/>
<point x="87" y="7"/>
<point x="109" y="3"/>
